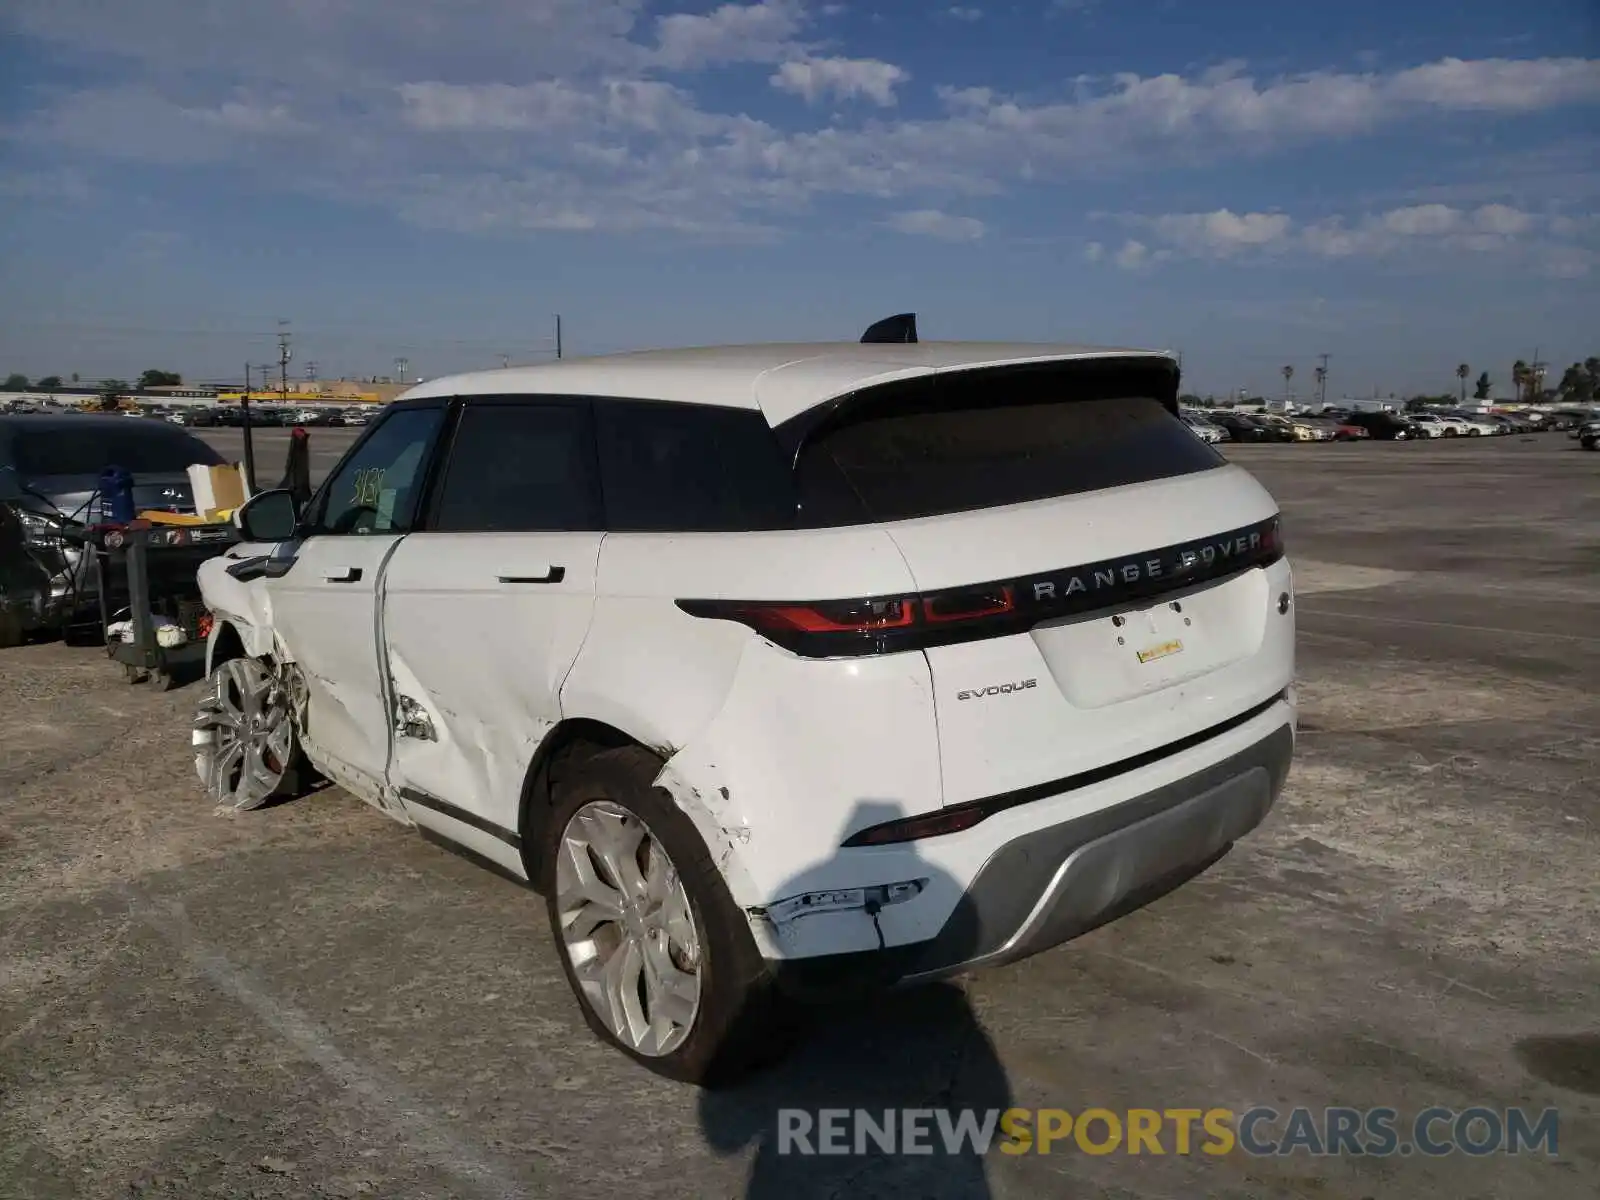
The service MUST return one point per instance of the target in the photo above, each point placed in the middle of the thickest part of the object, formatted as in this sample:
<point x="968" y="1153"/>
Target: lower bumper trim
<point x="1054" y="884"/>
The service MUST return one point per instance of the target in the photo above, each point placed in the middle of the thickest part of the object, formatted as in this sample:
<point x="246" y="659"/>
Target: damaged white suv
<point x="778" y="670"/>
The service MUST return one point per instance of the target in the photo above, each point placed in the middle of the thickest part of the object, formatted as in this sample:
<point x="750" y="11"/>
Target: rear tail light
<point x="886" y="624"/>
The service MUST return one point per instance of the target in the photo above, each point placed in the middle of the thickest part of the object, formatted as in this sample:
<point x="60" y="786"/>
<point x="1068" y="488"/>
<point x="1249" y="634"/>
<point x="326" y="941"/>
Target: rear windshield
<point x="980" y="439"/>
<point x="88" y="451"/>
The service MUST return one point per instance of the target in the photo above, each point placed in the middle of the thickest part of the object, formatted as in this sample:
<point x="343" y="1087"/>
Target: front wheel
<point x="245" y="748"/>
<point x="660" y="958"/>
<point x="1474" y="432"/>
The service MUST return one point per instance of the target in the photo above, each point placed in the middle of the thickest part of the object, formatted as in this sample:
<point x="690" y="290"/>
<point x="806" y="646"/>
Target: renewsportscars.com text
<point x="1258" y="1131"/>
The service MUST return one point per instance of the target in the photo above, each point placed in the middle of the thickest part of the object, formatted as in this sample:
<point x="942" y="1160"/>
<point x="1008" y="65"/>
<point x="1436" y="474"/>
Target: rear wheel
<point x="659" y="957"/>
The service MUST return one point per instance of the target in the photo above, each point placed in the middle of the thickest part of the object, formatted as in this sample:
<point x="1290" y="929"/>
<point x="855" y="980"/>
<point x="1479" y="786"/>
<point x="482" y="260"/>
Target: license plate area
<point x="1109" y="657"/>
<point x="1155" y="633"/>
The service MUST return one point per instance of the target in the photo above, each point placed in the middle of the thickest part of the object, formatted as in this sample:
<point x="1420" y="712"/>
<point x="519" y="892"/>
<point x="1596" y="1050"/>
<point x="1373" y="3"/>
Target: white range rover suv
<point x="779" y="671"/>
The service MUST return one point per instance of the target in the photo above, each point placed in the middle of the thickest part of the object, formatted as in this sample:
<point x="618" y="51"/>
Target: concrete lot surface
<point x="311" y="1001"/>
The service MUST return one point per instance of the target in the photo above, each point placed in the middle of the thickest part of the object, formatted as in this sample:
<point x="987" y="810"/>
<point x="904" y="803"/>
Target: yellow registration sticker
<point x="1161" y="651"/>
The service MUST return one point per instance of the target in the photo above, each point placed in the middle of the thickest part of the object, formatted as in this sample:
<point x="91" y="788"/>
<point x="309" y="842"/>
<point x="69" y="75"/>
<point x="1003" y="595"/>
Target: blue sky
<point x="1400" y="186"/>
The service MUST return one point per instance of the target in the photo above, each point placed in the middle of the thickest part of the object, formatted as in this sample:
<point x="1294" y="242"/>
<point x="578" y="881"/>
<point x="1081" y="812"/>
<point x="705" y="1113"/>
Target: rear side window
<point x="980" y="439"/>
<point x="90" y="450"/>
<point x="520" y="467"/>
<point x="690" y="468"/>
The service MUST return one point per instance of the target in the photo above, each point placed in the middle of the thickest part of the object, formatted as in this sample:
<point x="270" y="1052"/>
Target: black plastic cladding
<point x="1042" y="596"/>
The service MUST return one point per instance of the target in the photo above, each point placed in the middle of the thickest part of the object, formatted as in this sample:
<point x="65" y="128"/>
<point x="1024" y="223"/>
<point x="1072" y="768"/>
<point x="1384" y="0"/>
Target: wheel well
<point x="228" y="645"/>
<point x="569" y="741"/>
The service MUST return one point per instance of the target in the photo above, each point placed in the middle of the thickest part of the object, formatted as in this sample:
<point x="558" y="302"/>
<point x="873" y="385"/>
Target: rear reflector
<point x="887" y="624"/>
<point x="951" y="820"/>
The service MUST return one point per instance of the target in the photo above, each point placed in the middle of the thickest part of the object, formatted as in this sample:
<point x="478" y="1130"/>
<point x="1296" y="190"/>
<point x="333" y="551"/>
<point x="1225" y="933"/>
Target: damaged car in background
<point x="780" y="672"/>
<point x="51" y="470"/>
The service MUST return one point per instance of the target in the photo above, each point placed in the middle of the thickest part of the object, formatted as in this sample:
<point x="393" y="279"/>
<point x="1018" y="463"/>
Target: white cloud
<point x="761" y="32"/>
<point x="1422" y="220"/>
<point x="1222" y="232"/>
<point x="965" y="13"/>
<point x="845" y="78"/>
<point x="1501" y="218"/>
<point x="1497" y="84"/>
<point x="929" y="222"/>
<point x="1133" y="255"/>
<point x="1555" y="240"/>
<point x="1094" y="252"/>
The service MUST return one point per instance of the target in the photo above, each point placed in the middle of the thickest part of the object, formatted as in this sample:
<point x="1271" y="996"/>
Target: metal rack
<point x="153" y="567"/>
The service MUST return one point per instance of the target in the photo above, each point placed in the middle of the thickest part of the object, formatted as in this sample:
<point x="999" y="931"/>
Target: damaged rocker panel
<point x="457" y="813"/>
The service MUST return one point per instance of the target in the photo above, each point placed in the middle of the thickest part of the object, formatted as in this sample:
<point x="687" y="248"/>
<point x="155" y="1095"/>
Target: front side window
<point x="377" y="489"/>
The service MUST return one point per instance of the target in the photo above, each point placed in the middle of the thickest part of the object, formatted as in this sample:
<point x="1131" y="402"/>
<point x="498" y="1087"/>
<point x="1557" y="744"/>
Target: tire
<point x="739" y="1021"/>
<point x="246" y="747"/>
<point x="1591" y="443"/>
<point x="1474" y="432"/>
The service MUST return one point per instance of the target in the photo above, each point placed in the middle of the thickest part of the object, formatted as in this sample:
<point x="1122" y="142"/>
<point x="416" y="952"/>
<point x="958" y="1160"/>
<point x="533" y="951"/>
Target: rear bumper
<point x="1055" y="883"/>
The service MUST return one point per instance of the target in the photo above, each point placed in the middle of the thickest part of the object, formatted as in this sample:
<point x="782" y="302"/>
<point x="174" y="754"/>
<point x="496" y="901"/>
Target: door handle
<point x="553" y="575"/>
<point x="346" y="575"/>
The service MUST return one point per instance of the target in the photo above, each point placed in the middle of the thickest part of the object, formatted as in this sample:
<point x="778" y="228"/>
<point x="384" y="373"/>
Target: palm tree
<point x="1288" y="374"/>
<point x="1519" y="378"/>
<point x="1322" y="386"/>
<point x="1461" y="373"/>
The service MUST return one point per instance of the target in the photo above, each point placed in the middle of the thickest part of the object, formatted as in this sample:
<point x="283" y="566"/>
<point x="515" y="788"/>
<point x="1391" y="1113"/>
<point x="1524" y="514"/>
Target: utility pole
<point x="558" y="335"/>
<point x="401" y="366"/>
<point x="1322" y="383"/>
<point x="284" y="355"/>
<point x="244" y="429"/>
<point x="505" y="361"/>
<point x="311" y="371"/>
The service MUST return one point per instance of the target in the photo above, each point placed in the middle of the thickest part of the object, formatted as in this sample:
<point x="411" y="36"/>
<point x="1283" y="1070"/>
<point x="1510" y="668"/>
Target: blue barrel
<point x="116" y="495"/>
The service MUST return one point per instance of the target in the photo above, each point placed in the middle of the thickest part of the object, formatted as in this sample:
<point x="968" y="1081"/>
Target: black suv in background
<point x="1385" y="426"/>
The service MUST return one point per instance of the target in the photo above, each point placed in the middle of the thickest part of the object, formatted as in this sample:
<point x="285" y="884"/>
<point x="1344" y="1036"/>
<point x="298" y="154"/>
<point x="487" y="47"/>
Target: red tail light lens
<point x="844" y="616"/>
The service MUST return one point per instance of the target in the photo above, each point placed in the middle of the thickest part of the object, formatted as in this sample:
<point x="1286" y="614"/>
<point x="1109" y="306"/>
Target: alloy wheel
<point x="628" y="929"/>
<point x="243" y="738"/>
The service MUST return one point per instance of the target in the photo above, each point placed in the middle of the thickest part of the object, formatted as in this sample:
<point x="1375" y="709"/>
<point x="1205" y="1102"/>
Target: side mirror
<point x="268" y="517"/>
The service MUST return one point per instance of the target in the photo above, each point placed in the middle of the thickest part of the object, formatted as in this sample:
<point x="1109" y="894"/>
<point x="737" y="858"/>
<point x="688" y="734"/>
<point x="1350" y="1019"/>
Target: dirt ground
<point x="311" y="1001"/>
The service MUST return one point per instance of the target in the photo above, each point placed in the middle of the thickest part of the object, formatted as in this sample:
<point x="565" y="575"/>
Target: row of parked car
<point x="1343" y="425"/>
<point x="266" y="415"/>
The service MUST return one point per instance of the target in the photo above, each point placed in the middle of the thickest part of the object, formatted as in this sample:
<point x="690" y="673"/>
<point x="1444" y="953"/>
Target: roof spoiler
<point x="899" y="328"/>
